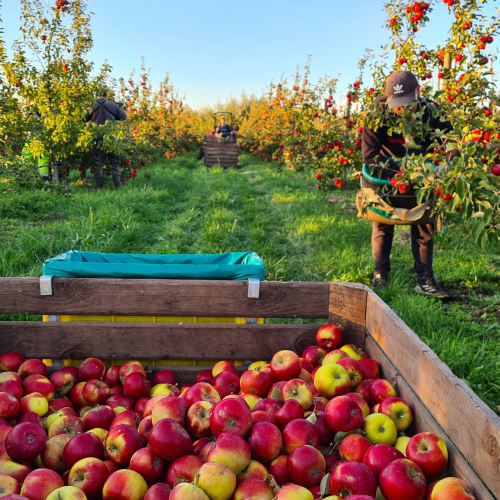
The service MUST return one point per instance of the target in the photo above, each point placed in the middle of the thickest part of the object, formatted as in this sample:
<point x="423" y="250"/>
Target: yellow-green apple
<point x="95" y="392"/>
<point x="112" y="376"/>
<point x="89" y="474"/>
<point x="13" y="469"/>
<point x="361" y="402"/>
<point x="229" y="380"/>
<point x="379" y="456"/>
<point x="52" y="455"/>
<point x="166" y="390"/>
<point x="299" y="433"/>
<point x="13" y="388"/>
<point x="24" y="442"/>
<point x="135" y="385"/>
<point x="325" y="434"/>
<point x="148" y="464"/>
<point x="364" y="390"/>
<point x="251" y="400"/>
<point x="370" y="368"/>
<point x="82" y="411"/>
<point x="198" y="445"/>
<point x="231" y="415"/>
<point x="120" y="401"/>
<point x="298" y="390"/>
<point x="285" y="365"/>
<point x="354" y="447"/>
<point x="124" y="485"/>
<point x="91" y="368"/>
<point x="99" y="417"/>
<point x="262" y="416"/>
<point x="256" y="382"/>
<point x="265" y="442"/>
<point x="145" y="428"/>
<point x="85" y="445"/>
<point x="399" y="411"/>
<point x="159" y="491"/>
<point x="380" y="429"/>
<point x="354" y="351"/>
<point x="429" y="452"/>
<point x="169" y="439"/>
<point x="223" y="366"/>
<point x="403" y="479"/>
<point x="9" y="405"/>
<point x="34" y="402"/>
<point x="140" y="405"/>
<point x="293" y="492"/>
<point x="170" y="407"/>
<point x="66" y="424"/>
<point x="11" y="361"/>
<point x="343" y="414"/>
<point x="184" y="470"/>
<point x="315" y="354"/>
<point x="254" y="489"/>
<point x="254" y="470"/>
<point x="187" y="491"/>
<point x="354" y="370"/>
<point x="65" y="379"/>
<point x="257" y="365"/>
<point x="201" y="392"/>
<point x="151" y="403"/>
<point x="306" y="466"/>
<point x="452" y="488"/>
<point x="216" y="480"/>
<point x="40" y="483"/>
<point x="102" y="433"/>
<point x="40" y="384"/>
<point x="32" y="367"/>
<point x="205" y="376"/>
<point x="306" y="365"/>
<point x="230" y="450"/>
<point x="290" y="411"/>
<point x="278" y="469"/>
<point x="332" y="380"/>
<point x="352" y="478"/>
<point x="127" y="417"/>
<point x="121" y="443"/>
<point x="381" y="389"/>
<point x="8" y="486"/>
<point x="198" y="419"/>
<point x="330" y="336"/>
<point x="76" y="395"/>
<point x="67" y="493"/>
<point x="402" y="443"/>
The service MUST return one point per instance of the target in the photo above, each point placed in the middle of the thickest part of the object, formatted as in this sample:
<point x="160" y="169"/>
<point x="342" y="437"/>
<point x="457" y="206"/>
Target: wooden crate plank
<point x="164" y="298"/>
<point x="425" y="422"/>
<point x="467" y="420"/>
<point x="163" y="341"/>
<point x="348" y="309"/>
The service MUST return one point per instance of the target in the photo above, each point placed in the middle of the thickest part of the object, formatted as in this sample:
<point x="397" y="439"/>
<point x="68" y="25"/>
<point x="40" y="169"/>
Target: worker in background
<point x="224" y="130"/>
<point x="42" y="163"/>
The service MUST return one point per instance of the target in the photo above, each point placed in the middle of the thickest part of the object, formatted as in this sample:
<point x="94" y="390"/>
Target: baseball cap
<point x="401" y="89"/>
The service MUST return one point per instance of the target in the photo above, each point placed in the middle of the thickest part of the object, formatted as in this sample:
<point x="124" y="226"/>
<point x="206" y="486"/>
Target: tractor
<point x="220" y="149"/>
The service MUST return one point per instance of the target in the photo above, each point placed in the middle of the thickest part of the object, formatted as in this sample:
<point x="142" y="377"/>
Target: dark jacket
<point x="379" y="146"/>
<point x="104" y="110"/>
<point x="224" y="129"/>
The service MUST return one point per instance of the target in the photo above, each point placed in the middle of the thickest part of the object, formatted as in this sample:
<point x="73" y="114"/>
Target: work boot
<point x="380" y="279"/>
<point x="117" y="181"/>
<point x="429" y="287"/>
<point x="100" y="182"/>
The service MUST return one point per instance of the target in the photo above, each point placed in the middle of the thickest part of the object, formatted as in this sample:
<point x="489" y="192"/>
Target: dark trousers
<point x="422" y="245"/>
<point x="98" y="155"/>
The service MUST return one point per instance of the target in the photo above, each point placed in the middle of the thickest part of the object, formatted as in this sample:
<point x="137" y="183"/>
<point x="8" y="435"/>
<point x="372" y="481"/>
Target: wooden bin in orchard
<point x="442" y="402"/>
<point x="217" y="152"/>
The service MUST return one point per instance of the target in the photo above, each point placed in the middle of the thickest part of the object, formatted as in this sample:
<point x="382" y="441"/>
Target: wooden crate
<point x="220" y="153"/>
<point x="442" y="402"/>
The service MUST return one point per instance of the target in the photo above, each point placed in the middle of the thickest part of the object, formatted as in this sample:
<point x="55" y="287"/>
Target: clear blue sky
<point x="214" y="49"/>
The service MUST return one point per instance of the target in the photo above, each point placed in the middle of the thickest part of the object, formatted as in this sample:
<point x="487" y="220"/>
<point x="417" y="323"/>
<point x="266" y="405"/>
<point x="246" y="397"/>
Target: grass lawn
<point x="300" y="232"/>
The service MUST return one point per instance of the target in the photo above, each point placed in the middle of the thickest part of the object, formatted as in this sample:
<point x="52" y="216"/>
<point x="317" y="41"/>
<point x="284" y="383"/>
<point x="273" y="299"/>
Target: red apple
<point x="198" y="419"/>
<point x="25" y="442"/>
<point x="8" y="486"/>
<point x="145" y="428"/>
<point x="353" y="478"/>
<point x="67" y="424"/>
<point x="32" y="367"/>
<point x="231" y="451"/>
<point x="379" y="456"/>
<point x="265" y="442"/>
<point x="298" y="390"/>
<point x="253" y="489"/>
<point x="13" y="388"/>
<point x="52" y="455"/>
<point x="306" y="466"/>
<point x="95" y="392"/>
<point x="330" y="337"/>
<point x="170" y="407"/>
<point x="34" y="402"/>
<point x="121" y="443"/>
<point x="9" y="405"/>
<point x="13" y="469"/>
<point x="117" y="401"/>
<point x="111" y="466"/>
<point x="354" y="351"/>
<point x="76" y="395"/>
<point x="82" y="446"/>
<point x="165" y="377"/>
<point x="223" y="390"/>
<point x="324" y="432"/>
<point x="268" y="405"/>
<point x="6" y="376"/>
<point x="354" y="448"/>
<point x="429" y="452"/>
<point x="275" y="391"/>
<point x="230" y="380"/>
<point x="140" y="405"/>
<point x="254" y="470"/>
<point x="315" y="355"/>
<point x="149" y="465"/>
<point x="403" y="479"/>
<point x="89" y="474"/>
<point x="299" y="433"/>
<point x="124" y="485"/>
<point x="333" y="357"/>
<point x="11" y="361"/>
<point x="57" y="405"/>
<point x="169" y="439"/>
<point x="354" y="370"/>
<point x="65" y="379"/>
<point x="99" y="417"/>
<point x="262" y="416"/>
<point x="306" y="365"/>
<point x="223" y="366"/>
<point x="290" y="411"/>
<point x="361" y="402"/>
<point x="184" y="470"/>
<point x="231" y="415"/>
<point x="188" y="491"/>
<point x="135" y="385"/>
<point x="112" y="376"/>
<point x="364" y="390"/>
<point x="159" y="491"/>
<point x="370" y="368"/>
<point x="285" y="365"/>
<point x="201" y="392"/>
<point x="91" y="368"/>
<point x="451" y="488"/>
<point x="39" y="484"/>
<point x="381" y="389"/>
<point x="399" y="411"/>
<point x="205" y="376"/>
<point x="256" y="382"/>
<point x="292" y="491"/>
<point x="151" y="403"/>
<point x="343" y="414"/>
<point x="198" y="445"/>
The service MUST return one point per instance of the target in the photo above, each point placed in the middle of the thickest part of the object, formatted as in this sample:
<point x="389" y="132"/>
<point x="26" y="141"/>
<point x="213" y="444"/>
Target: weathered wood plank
<point x="424" y="422"/>
<point x="165" y="298"/>
<point x="348" y="309"/>
<point x="467" y="420"/>
<point x="161" y="341"/>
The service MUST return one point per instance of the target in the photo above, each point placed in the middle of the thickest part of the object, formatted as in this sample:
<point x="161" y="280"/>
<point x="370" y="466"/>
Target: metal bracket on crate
<point x="46" y="285"/>
<point x="253" y="288"/>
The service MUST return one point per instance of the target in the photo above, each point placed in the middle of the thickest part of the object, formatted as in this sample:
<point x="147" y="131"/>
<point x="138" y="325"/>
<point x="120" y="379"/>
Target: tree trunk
<point x="55" y="169"/>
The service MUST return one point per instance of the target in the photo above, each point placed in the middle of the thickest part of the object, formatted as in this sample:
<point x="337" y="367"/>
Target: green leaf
<point x="312" y="418"/>
<point x="58" y="394"/>
<point x="460" y="187"/>
<point x="340" y="436"/>
<point x="487" y="215"/>
<point x="323" y="486"/>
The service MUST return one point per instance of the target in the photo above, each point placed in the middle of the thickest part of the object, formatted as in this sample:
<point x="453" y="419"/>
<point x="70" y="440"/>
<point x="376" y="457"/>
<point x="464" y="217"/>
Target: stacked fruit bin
<point x="358" y="408"/>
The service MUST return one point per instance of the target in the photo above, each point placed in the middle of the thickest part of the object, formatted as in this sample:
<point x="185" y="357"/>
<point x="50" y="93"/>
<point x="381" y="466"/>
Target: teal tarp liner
<point x="224" y="266"/>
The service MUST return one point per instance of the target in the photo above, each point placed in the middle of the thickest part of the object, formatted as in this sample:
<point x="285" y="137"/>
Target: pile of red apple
<point x="320" y="426"/>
